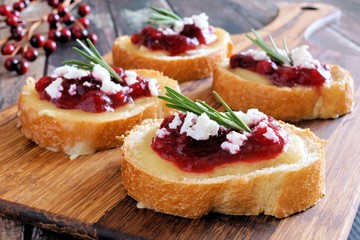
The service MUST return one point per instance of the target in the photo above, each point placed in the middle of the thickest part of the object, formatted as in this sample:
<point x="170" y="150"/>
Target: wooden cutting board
<point x="84" y="197"/>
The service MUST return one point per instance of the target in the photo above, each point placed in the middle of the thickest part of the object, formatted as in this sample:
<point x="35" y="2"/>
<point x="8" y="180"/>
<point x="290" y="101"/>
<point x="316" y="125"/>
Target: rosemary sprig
<point x="271" y="51"/>
<point x="180" y="102"/>
<point x="91" y="54"/>
<point x="161" y="16"/>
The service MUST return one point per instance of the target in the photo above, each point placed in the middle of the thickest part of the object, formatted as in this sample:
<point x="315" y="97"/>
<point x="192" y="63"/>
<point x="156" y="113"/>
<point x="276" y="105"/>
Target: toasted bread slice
<point x="77" y="132"/>
<point x="292" y="182"/>
<point x="196" y="64"/>
<point x="243" y="89"/>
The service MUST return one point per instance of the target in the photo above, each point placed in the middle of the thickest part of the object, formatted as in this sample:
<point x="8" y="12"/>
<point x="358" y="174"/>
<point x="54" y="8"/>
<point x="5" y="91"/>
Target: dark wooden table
<point x="111" y="18"/>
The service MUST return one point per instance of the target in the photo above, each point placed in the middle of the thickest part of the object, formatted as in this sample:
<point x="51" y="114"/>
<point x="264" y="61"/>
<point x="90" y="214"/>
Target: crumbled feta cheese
<point x="54" y="89"/>
<point x="103" y="75"/>
<point x="302" y="58"/>
<point x="72" y="89"/>
<point x="188" y="121"/>
<point x="201" y="20"/>
<point x="203" y="128"/>
<point x="271" y="135"/>
<point x="255" y="115"/>
<point x="178" y="26"/>
<point x="230" y="147"/>
<point x="235" y="141"/>
<point x="162" y="132"/>
<point x="284" y="54"/>
<point x="69" y="72"/>
<point x="130" y="78"/>
<point x="175" y="122"/>
<point x="257" y="55"/>
<point x="87" y="84"/>
<point x="153" y="87"/>
<point x="244" y="117"/>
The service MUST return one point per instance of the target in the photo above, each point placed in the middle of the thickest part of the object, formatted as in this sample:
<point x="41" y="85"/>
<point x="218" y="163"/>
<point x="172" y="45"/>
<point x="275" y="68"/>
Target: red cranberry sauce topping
<point x="281" y="75"/>
<point x="88" y="96"/>
<point x="189" y="38"/>
<point x="203" y="156"/>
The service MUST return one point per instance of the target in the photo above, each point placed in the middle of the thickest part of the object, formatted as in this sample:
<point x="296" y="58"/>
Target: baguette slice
<point x="292" y="182"/>
<point x="77" y="132"/>
<point x="199" y="64"/>
<point x="241" y="92"/>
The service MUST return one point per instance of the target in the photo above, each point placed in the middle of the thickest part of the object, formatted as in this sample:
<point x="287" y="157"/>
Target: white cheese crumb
<point x="302" y="58"/>
<point x="270" y="134"/>
<point x="188" y="121"/>
<point x="175" y="122"/>
<point x="72" y="89"/>
<point x="203" y="128"/>
<point x="255" y="115"/>
<point x="230" y="147"/>
<point x="153" y="87"/>
<point x="69" y="72"/>
<point x="108" y="86"/>
<point x="162" y="132"/>
<point x="236" y="140"/>
<point x="201" y="21"/>
<point x="257" y="55"/>
<point x="87" y="84"/>
<point x="55" y="88"/>
<point x="178" y="26"/>
<point x="130" y="78"/>
<point x="167" y="31"/>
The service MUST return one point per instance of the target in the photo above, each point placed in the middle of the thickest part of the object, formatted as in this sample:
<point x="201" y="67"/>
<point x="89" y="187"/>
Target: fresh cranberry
<point x="10" y="63"/>
<point x="53" y="18"/>
<point x="7" y="48"/>
<point x="79" y="34"/>
<point x="12" y="20"/>
<point x="4" y="10"/>
<point x="68" y="19"/>
<point x="50" y="46"/>
<point x="17" y="33"/>
<point x="19" y="6"/>
<point x="31" y="54"/>
<point x="62" y="10"/>
<point x="53" y="3"/>
<point x="54" y="34"/>
<point x="84" y="21"/>
<point x="93" y="38"/>
<point x="84" y="9"/>
<point x="65" y="35"/>
<point x="37" y="40"/>
<point x="22" y="67"/>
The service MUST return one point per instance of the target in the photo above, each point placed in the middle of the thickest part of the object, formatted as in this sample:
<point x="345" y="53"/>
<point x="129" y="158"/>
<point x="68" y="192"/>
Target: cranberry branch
<point x="23" y="43"/>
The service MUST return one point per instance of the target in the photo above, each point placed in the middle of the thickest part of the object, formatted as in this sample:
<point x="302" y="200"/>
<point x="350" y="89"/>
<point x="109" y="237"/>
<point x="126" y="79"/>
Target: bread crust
<point x="182" y="67"/>
<point x="279" y="192"/>
<point x="289" y="104"/>
<point x="77" y="132"/>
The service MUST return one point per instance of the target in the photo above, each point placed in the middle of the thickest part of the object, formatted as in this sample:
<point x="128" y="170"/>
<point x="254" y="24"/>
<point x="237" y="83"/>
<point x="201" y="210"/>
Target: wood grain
<point x="84" y="197"/>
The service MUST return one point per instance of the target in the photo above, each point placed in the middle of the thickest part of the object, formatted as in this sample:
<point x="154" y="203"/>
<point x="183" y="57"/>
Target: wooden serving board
<point x="84" y="197"/>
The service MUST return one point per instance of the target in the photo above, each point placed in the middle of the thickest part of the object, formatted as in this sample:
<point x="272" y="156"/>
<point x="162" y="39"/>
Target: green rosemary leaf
<point x="180" y="102"/>
<point x="161" y="16"/>
<point x="271" y="51"/>
<point x="93" y="56"/>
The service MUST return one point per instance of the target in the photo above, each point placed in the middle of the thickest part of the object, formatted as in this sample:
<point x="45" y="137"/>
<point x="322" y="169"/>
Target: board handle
<point x="295" y="21"/>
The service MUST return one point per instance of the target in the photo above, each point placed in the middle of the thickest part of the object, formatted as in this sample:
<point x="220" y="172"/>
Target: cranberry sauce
<point x="281" y="75"/>
<point x="203" y="156"/>
<point x="189" y="38"/>
<point x="87" y="95"/>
